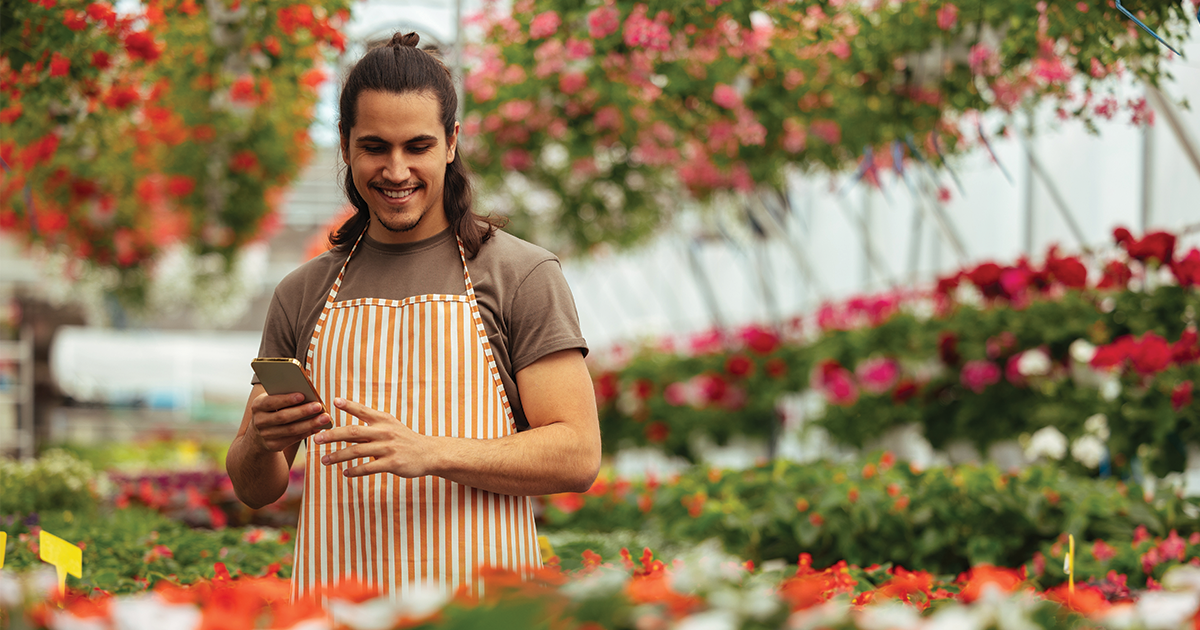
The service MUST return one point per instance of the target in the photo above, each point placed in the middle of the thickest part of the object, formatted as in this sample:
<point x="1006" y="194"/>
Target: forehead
<point x="397" y="116"/>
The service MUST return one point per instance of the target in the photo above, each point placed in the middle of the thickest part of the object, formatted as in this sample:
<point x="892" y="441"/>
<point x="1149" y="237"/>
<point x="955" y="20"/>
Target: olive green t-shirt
<point x="524" y="300"/>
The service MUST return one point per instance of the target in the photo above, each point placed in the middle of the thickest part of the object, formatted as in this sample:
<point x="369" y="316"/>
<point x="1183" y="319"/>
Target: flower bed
<point x="704" y="590"/>
<point x="992" y="353"/>
<point x="942" y="520"/>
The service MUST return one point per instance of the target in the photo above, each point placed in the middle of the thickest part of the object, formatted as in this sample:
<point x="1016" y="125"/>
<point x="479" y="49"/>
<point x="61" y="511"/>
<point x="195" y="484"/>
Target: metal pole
<point x="1027" y="242"/>
<point x="914" y="241"/>
<point x="873" y="261"/>
<point x="706" y="291"/>
<point x="1164" y="106"/>
<point x="867" y="254"/>
<point x="1147" y="175"/>
<point x="772" y="227"/>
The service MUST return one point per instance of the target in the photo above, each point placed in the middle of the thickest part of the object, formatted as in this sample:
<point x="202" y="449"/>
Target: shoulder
<point x="512" y="256"/>
<point x="316" y="275"/>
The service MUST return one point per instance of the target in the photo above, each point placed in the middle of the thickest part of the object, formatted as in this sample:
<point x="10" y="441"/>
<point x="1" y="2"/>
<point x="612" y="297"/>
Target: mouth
<point x="397" y="194"/>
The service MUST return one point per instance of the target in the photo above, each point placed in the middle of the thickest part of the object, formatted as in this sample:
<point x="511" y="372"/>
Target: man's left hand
<point x="392" y="446"/>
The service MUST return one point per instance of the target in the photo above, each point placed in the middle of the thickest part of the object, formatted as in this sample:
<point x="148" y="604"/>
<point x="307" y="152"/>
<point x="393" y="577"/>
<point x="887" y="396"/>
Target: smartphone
<point x="285" y="376"/>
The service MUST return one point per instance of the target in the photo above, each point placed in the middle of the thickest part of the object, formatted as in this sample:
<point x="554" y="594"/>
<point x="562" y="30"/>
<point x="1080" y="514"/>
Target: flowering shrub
<point x="609" y="110"/>
<point x="941" y="520"/>
<point x="992" y="353"/>
<point x="704" y="590"/>
<point x="117" y="146"/>
<point x="54" y="481"/>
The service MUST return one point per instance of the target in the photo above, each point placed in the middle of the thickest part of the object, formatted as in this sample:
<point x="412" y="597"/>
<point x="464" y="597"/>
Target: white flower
<point x="1048" y="442"/>
<point x="1110" y="387"/>
<point x="1088" y="450"/>
<point x="1082" y="351"/>
<point x="1163" y="610"/>
<point x="151" y="612"/>
<point x="1183" y="577"/>
<point x="709" y="620"/>
<point x="1097" y="424"/>
<point x="1034" y="362"/>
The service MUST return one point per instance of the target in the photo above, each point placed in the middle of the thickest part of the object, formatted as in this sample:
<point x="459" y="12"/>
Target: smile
<point x="397" y="194"/>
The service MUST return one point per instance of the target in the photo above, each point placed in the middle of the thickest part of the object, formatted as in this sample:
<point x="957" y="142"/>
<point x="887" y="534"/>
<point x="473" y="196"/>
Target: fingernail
<point x="325" y="459"/>
<point x="317" y="439"/>
<point x="339" y="402"/>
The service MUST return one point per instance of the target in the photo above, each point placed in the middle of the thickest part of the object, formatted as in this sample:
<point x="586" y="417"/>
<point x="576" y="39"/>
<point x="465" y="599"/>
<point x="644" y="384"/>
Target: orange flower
<point x="1086" y="600"/>
<point x="567" y="502"/>
<point x="982" y="576"/>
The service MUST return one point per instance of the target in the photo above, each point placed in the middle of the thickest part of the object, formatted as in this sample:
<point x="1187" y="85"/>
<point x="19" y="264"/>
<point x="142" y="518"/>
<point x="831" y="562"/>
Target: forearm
<point x="259" y="476"/>
<point x="545" y="460"/>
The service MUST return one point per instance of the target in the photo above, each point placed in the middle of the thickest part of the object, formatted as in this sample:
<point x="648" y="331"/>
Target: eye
<point x="419" y="148"/>
<point x="373" y="148"/>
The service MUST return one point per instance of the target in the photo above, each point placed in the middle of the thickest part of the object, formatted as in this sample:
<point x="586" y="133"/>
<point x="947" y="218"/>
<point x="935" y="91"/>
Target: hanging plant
<point x="591" y="121"/>
<point x="172" y="129"/>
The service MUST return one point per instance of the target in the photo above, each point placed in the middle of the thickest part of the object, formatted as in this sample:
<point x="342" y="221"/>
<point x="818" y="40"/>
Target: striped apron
<point x="427" y="361"/>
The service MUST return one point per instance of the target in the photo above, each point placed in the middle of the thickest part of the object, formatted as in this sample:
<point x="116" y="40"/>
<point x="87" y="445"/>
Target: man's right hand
<point x="281" y="421"/>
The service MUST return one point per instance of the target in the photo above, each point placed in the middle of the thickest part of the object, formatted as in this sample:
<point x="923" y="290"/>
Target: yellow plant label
<point x="546" y="549"/>
<point x="65" y="557"/>
<point x="3" y="546"/>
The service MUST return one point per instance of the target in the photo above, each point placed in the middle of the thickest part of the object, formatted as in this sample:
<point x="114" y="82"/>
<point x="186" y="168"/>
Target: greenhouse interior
<point x="719" y="314"/>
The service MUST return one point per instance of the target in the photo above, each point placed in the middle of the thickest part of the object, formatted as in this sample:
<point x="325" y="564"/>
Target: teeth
<point x="397" y="194"/>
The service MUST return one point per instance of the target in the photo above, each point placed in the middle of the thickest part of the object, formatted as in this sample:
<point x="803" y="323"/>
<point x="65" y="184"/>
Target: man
<point x="448" y="351"/>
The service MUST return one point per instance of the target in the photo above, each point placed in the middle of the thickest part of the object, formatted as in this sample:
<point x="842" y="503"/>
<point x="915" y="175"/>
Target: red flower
<point x="242" y="90"/>
<point x="1068" y="271"/>
<point x="947" y="17"/>
<point x="141" y="45"/>
<point x="739" y="365"/>
<point x="102" y="12"/>
<point x="1113" y="354"/>
<point x="776" y="367"/>
<point x="643" y="388"/>
<point x="1102" y="551"/>
<point x="10" y="114"/>
<point x="1181" y="396"/>
<point x="759" y="339"/>
<point x="271" y="43"/>
<point x="60" y="66"/>
<point x="121" y="96"/>
<point x="101" y="60"/>
<point x="1187" y="269"/>
<point x="657" y="432"/>
<point x="1187" y="349"/>
<point x="243" y="162"/>
<point x="986" y="277"/>
<point x="74" y="20"/>
<point x="948" y="348"/>
<point x="1158" y="246"/>
<point x="713" y="387"/>
<point x="1116" y="276"/>
<point x="181" y="185"/>
<point x="1152" y="355"/>
<point x="606" y="387"/>
<point x="567" y="502"/>
<point x="905" y="390"/>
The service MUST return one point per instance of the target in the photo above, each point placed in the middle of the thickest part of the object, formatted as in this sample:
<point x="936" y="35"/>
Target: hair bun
<point x="405" y="39"/>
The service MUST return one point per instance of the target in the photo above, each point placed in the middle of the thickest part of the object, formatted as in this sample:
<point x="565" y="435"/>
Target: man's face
<point x="397" y="152"/>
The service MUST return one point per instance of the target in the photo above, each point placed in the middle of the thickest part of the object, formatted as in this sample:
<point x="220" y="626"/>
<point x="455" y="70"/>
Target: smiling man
<point x="448" y="350"/>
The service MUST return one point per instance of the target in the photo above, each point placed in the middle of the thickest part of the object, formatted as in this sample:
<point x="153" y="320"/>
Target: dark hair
<point x="400" y="67"/>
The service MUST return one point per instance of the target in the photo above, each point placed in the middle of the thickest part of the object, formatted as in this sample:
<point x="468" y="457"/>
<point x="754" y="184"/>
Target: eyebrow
<point x="378" y="140"/>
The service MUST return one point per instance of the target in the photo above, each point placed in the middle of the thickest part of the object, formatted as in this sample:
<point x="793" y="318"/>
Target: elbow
<point x="586" y="471"/>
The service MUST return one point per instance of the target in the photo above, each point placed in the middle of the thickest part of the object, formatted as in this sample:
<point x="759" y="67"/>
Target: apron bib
<point x="427" y="361"/>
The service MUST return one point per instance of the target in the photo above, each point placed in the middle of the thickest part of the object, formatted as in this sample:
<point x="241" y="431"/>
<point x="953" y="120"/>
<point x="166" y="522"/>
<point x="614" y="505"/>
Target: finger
<point x="348" y="433"/>
<point x="372" y="467"/>
<point x="289" y="415"/>
<point x="267" y="402"/>
<point x="362" y="412"/>
<point x="352" y="452"/>
<point x="294" y="430"/>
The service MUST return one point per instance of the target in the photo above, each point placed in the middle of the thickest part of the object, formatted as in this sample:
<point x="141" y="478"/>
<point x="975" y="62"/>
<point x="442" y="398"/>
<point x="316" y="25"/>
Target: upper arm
<point x="557" y="389"/>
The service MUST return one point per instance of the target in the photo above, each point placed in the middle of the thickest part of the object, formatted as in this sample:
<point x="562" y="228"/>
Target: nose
<point x="396" y="169"/>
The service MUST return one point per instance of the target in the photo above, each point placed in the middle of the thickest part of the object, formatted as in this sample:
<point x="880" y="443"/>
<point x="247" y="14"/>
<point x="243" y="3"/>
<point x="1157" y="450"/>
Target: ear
<point x="345" y="142"/>
<point x="452" y="144"/>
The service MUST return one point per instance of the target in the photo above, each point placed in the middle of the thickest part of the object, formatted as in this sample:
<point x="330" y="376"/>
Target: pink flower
<point x="544" y="25"/>
<point x="759" y="339"/>
<point x="1102" y="551"/>
<point x="827" y="130"/>
<point x="516" y="160"/>
<point x="603" y="21"/>
<point x="878" y="375"/>
<point x="571" y="82"/>
<point x="516" y="110"/>
<point x="1173" y="547"/>
<point x="794" y="137"/>
<point x="835" y="382"/>
<point x="641" y="31"/>
<point x="726" y="96"/>
<point x="676" y="394"/>
<point x="608" y="118"/>
<point x="983" y="60"/>
<point x="978" y="375"/>
<point x="579" y="49"/>
<point x="550" y="57"/>
<point x="1051" y="70"/>
<point x="1098" y="71"/>
<point x="947" y="16"/>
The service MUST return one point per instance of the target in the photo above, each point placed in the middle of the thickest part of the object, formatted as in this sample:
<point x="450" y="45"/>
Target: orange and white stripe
<point x="427" y="361"/>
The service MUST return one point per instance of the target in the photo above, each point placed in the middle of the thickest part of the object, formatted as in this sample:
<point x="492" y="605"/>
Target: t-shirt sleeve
<point x="279" y="333"/>
<point x="542" y="317"/>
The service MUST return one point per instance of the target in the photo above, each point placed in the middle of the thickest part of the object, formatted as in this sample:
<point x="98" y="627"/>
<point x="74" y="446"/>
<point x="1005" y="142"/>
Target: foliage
<point x="55" y="481"/>
<point x="117" y="145"/>
<point x="128" y="550"/>
<point x="993" y="353"/>
<point x="590" y="118"/>
<point x="941" y="520"/>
